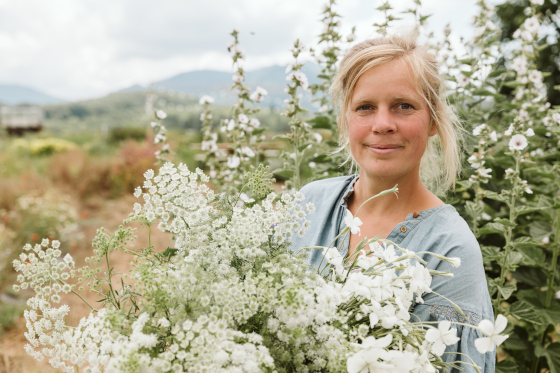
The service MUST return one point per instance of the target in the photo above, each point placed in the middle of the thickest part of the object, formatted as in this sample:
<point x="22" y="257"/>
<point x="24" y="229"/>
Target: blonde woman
<point x="396" y="126"/>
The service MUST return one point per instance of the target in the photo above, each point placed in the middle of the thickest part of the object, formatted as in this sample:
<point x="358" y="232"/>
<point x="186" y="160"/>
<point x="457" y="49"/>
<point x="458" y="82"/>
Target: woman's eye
<point x="405" y="106"/>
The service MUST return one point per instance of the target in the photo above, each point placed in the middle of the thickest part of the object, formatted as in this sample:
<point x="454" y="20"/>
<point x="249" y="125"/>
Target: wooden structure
<point x="22" y="118"/>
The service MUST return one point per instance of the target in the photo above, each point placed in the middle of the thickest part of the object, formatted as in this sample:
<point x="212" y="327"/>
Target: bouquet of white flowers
<point x="231" y="296"/>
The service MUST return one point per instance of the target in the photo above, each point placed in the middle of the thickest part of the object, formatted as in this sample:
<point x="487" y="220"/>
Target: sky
<point x="80" y="49"/>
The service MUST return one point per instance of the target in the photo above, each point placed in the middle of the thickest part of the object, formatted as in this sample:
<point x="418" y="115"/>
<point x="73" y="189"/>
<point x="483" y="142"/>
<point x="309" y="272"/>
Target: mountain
<point x="16" y="94"/>
<point x="218" y="83"/>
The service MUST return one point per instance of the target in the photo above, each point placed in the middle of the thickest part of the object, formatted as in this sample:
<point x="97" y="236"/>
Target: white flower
<point x="509" y="131"/>
<point x="255" y="122"/>
<point x="545" y="240"/>
<point x="289" y="68"/>
<point x="233" y="161"/>
<point x="230" y="125"/>
<point x="494" y="136"/>
<point x="520" y="65"/>
<point x="237" y="78"/>
<point x="493" y="339"/>
<point x="247" y="151"/>
<point x="518" y="142"/>
<point x="352" y="222"/>
<point x="529" y="132"/>
<point x="243" y="118"/>
<point x="557" y="294"/>
<point x="537" y="2"/>
<point x="161" y="114"/>
<point x="441" y="337"/>
<point x="312" y="164"/>
<point x="318" y="137"/>
<point x="532" y="25"/>
<point x="462" y="80"/>
<point x="206" y="100"/>
<point x="258" y="95"/>
<point x="370" y="357"/>
<point x="485" y="172"/>
<point x="478" y="129"/>
<point x="536" y="77"/>
<point x="526" y="35"/>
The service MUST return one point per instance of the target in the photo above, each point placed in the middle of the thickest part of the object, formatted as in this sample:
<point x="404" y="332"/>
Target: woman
<point x="398" y="129"/>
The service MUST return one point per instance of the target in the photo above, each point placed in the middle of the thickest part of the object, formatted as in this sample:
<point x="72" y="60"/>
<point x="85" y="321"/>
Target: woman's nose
<point x="383" y="123"/>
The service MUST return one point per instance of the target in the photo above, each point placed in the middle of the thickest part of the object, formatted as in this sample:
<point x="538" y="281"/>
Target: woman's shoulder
<point x="331" y="187"/>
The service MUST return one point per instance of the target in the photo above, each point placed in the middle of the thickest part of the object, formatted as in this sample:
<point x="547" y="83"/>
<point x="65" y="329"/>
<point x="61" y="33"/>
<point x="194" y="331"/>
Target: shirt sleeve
<point x="463" y="351"/>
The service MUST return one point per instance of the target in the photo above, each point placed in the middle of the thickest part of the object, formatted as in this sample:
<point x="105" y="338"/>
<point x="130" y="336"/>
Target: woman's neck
<point x="412" y="196"/>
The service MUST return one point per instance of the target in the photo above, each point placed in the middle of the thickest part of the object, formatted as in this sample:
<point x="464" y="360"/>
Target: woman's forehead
<point x="392" y="80"/>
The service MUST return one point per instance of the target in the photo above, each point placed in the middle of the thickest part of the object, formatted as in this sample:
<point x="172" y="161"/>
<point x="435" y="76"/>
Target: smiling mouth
<point x="383" y="147"/>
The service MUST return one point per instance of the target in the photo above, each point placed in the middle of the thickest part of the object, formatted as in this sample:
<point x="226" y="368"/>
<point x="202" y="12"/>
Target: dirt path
<point x="13" y="358"/>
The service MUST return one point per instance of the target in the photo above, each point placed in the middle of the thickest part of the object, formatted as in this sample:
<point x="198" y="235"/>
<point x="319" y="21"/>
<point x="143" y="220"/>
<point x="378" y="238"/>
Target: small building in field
<point x="21" y="118"/>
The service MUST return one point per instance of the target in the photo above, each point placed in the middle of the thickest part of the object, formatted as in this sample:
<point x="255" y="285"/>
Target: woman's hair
<point x="441" y="150"/>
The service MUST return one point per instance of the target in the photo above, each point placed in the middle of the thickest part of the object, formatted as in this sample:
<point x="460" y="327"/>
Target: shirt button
<point x="403" y="229"/>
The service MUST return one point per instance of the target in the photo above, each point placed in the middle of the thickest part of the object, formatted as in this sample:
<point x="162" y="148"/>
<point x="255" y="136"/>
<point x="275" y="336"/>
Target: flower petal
<point x="484" y="345"/>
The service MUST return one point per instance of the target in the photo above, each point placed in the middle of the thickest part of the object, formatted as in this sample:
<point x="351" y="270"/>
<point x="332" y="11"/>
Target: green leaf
<point x="504" y="222"/>
<point x="525" y="311"/>
<point x="514" y="258"/>
<point x="497" y="73"/>
<point x="531" y="276"/>
<point x="506" y="366"/>
<point x="532" y="256"/>
<point x="482" y="92"/>
<point x="169" y="252"/>
<point x="490" y="253"/>
<point x="525" y="242"/>
<point x="515" y="342"/>
<point x="284" y="174"/>
<point x="552" y="355"/>
<point x="492" y="228"/>
<point x="527" y="209"/>
<point x="473" y="209"/>
<point x="320" y="122"/>
<point x="539" y="229"/>
<point x="506" y="290"/>
<point x="495" y="196"/>
<point x="551" y="314"/>
<point x="467" y="61"/>
<point x="513" y="84"/>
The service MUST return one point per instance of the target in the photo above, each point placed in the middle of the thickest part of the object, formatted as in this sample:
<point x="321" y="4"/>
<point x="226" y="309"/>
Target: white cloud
<point x="79" y="49"/>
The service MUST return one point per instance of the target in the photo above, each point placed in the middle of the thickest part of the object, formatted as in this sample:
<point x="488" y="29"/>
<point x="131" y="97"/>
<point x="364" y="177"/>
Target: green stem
<point x="555" y="253"/>
<point x="508" y="236"/>
<point x="85" y="301"/>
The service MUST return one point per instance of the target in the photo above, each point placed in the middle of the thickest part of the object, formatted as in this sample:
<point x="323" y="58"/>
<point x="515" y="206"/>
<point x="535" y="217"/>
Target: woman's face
<point x="388" y="123"/>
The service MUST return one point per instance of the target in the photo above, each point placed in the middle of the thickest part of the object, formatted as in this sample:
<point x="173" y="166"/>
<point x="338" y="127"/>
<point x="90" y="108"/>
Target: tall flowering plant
<point x="230" y="296"/>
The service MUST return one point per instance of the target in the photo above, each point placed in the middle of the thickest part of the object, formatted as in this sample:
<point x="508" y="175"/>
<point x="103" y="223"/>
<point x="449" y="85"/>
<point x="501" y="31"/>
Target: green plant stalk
<point x="555" y="253"/>
<point x="509" y="233"/>
<point x="550" y="282"/>
<point x="296" y="149"/>
<point x="85" y="301"/>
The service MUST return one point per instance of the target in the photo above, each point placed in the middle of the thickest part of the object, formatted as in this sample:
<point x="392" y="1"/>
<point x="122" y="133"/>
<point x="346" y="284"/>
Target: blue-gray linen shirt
<point x="440" y="230"/>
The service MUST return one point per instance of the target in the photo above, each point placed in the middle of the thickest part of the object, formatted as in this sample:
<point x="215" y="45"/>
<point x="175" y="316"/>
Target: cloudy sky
<point x="78" y="49"/>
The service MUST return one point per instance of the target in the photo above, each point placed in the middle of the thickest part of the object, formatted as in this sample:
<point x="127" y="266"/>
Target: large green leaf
<point x="283" y="173"/>
<point x="320" y="122"/>
<point x="552" y="355"/>
<point x="473" y="209"/>
<point x="495" y="196"/>
<point x="492" y="228"/>
<point x="532" y="256"/>
<point x="514" y="258"/>
<point x="506" y="366"/>
<point x="507" y="290"/>
<point x="525" y="311"/>
<point x="539" y="229"/>
<point x="531" y="276"/>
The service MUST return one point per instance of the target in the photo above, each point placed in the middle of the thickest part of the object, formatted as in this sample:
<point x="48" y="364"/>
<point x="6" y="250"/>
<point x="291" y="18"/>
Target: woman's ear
<point x="433" y="128"/>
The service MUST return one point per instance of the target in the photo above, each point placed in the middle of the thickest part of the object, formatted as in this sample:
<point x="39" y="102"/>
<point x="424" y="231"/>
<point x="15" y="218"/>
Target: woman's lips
<point x="384" y="149"/>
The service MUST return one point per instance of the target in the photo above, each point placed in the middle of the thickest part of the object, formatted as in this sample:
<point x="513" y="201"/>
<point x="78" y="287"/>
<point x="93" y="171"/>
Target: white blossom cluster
<point x="232" y="298"/>
<point x="485" y="135"/>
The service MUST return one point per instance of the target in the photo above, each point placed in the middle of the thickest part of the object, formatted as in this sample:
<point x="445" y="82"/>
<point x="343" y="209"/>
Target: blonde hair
<point x="442" y="149"/>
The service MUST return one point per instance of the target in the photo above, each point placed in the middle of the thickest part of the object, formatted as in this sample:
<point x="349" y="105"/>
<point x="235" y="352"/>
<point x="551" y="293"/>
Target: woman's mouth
<point x="384" y="149"/>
